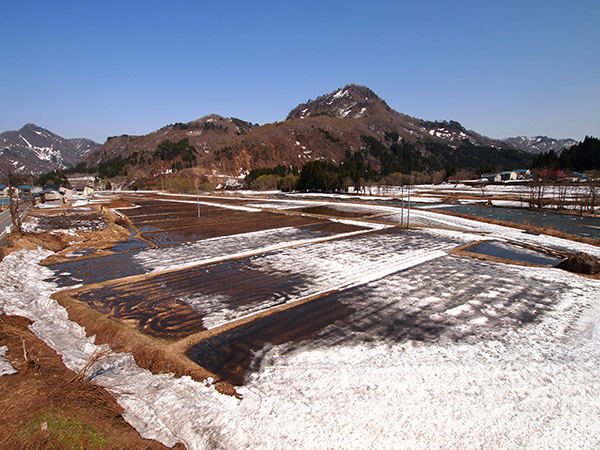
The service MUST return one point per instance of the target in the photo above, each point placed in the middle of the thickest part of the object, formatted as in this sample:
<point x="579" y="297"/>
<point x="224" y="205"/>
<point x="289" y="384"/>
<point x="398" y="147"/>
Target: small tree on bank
<point x="12" y="180"/>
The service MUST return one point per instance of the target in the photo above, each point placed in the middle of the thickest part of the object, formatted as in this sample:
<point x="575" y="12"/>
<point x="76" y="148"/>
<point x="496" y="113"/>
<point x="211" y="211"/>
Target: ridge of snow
<point x="6" y="368"/>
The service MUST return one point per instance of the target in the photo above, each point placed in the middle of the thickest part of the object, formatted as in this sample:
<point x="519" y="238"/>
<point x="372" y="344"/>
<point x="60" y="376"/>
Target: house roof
<point x="81" y="185"/>
<point x="553" y="173"/>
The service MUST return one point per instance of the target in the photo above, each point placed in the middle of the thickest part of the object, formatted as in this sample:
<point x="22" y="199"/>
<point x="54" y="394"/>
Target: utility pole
<point x="198" y="199"/>
<point x="408" y="212"/>
<point x="402" y="208"/>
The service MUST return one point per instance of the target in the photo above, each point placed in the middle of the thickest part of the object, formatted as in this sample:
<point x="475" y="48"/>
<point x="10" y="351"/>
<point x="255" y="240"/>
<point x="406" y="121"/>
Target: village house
<point x="552" y="174"/>
<point x="491" y="177"/>
<point x="508" y="175"/>
<point x="523" y="174"/>
<point x="84" y="187"/>
<point x="56" y="194"/>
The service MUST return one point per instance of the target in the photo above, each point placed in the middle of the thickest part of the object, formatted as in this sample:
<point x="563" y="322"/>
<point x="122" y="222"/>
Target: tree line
<point x="379" y="161"/>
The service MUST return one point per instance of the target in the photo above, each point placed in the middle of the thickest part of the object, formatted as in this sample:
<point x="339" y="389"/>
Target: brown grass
<point x="42" y="406"/>
<point x="63" y="244"/>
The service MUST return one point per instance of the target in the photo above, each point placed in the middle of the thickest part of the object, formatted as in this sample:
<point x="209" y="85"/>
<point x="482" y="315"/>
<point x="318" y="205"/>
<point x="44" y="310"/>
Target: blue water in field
<point x="508" y="251"/>
<point x="568" y="223"/>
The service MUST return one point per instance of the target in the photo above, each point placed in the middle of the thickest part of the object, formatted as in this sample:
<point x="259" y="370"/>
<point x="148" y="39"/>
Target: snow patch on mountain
<point x="37" y="150"/>
<point x="540" y="144"/>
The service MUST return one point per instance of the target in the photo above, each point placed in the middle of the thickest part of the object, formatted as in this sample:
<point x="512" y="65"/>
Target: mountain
<point x="540" y="144"/>
<point x="33" y="149"/>
<point x="350" y="102"/>
<point x="210" y="136"/>
<point x="360" y="102"/>
<point x="352" y="122"/>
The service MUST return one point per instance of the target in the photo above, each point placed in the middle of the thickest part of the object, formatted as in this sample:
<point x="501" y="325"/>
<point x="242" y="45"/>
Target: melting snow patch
<point x="340" y="94"/>
<point x="533" y="386"/>
<point x="6" y="367"/>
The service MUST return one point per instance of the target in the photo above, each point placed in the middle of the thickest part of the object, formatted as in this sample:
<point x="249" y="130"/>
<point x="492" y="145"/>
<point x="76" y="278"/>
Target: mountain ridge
<point x="324" y="129"/>
<point x="330" y="128"/>
<point x="36" y="150"/>
<point x="540" y="144"/>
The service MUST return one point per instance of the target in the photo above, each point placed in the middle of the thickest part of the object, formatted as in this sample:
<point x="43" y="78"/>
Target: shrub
<point x="266" y="182"/>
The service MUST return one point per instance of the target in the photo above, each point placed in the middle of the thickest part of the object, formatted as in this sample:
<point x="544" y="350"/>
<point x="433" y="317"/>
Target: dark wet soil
<point x="358" y="316"/>
<point x="69" y="220"/>
<point x="332" y="211"/>
<point x="231" y="354"/>
<point x="111" y="267"/>
<point x="159" y="305"/>
<point x="170" y="223"/>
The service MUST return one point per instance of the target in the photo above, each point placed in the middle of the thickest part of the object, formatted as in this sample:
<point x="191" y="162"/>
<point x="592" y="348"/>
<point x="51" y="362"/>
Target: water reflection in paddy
<point x="567" y="223"/>
<point x="505" y="250"/>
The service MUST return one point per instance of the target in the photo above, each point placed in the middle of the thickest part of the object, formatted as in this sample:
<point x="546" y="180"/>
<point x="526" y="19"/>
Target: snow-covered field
<point x="509" y="360"/>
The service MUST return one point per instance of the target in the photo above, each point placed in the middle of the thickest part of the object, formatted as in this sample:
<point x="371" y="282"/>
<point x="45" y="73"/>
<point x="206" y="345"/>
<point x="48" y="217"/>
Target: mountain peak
<point x="350" y="102"/>
<point x="540" y="144"/>
<point x="36" y="150"/>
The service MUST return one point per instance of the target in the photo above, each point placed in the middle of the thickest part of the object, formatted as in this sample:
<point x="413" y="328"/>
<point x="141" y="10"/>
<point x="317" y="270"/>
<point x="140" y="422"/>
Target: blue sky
<point x="97" y="69"/>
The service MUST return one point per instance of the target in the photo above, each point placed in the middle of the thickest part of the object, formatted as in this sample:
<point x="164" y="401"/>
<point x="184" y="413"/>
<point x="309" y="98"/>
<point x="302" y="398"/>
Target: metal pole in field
<point x="408" y="211"/>
<point x="198" y="200"/>
<point x="402" y="207"/>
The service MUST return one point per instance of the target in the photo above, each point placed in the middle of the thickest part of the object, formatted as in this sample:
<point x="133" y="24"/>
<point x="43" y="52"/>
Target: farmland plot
<point x="166" y="223"/>
<point x="450" y="299"/>
<point x="214" y="294"/>
<point x="104" y="268"/>
<point x="386" y="340"/>
<point x="176" y="304"/>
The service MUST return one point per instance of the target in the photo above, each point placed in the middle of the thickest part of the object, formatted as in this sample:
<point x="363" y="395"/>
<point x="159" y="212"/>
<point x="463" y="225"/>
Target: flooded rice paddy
<point x="302" y="277"/>
<point x="513" y="252"/>
<point x="568" y="223"/>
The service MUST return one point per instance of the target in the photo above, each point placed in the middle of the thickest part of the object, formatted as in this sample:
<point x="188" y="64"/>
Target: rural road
<point x="5" y="222"/>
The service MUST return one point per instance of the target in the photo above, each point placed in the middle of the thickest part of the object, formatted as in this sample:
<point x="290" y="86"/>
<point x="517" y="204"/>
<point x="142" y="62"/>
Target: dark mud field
<point x="410" y="305"/>
<point x="452" y="298"/>
<point x="160" y="305"/>
<point x="164" y="223"/>
<point x="125" y="262"/>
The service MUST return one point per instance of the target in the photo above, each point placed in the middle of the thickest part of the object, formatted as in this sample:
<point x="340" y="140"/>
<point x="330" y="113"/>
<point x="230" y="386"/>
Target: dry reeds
<point x="96" y="356"/>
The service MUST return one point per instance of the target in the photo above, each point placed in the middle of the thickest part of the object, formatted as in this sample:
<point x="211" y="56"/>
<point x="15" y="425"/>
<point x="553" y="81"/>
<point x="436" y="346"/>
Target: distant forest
<point x="393" y="158"/>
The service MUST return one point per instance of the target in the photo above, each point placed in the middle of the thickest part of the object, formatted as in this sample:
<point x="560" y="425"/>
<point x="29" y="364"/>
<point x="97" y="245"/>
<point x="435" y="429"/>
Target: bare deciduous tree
<point x="12" y="180"/>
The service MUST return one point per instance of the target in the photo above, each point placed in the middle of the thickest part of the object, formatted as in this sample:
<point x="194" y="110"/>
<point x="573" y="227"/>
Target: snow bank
<point x="534" y="385"/>
<point x="216" y="205"/>
<point x="160" y="407"/>
<point x="6" y="367"/>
